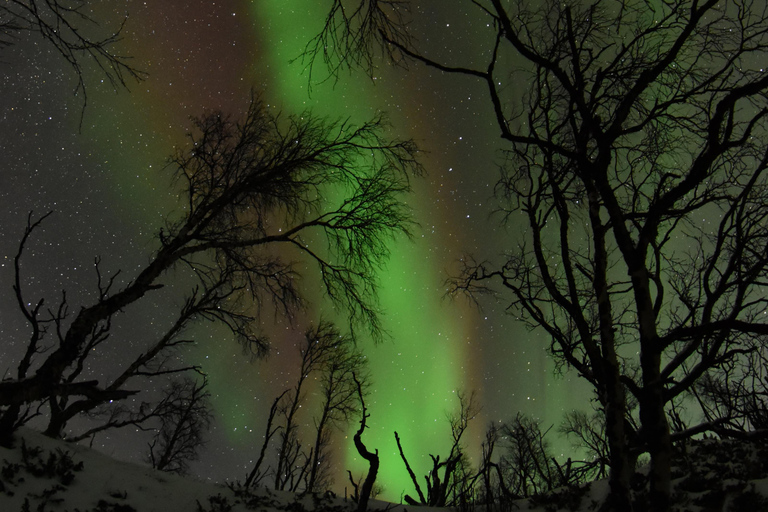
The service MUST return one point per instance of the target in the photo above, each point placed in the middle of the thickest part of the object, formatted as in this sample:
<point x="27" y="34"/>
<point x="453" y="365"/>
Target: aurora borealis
<point x="107" y="185"/>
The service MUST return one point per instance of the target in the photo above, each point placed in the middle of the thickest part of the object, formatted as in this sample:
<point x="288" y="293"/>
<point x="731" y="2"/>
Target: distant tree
<point x="447" y="481"/>
<point x="248" y="187"/>
<point x="257" y="473"/>
<point x="185" y="418"/>
<point x="588" y="434"/>
<point x="330" y="358"/>
<point x="491" y="483"/>
<point x="735" y="399"/>
<point x="526" y="464"/>
<point x="341" y="374"/>
<point x="636" y="161"/>
<point x="179" y="421"/>
<point x="69" y="28"/>
<point x="517" y="461"/>
<point x="292" y="459"/>
<point x="154" y="362"/>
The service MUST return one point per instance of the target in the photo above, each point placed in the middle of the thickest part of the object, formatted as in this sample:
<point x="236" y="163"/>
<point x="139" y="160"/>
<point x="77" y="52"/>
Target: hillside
<point x="45" y="475"/>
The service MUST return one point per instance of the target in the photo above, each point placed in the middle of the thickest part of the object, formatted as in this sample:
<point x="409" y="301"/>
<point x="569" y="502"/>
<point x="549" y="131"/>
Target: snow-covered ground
<point x="45" y="475"/>
<point x="42" y="474"/>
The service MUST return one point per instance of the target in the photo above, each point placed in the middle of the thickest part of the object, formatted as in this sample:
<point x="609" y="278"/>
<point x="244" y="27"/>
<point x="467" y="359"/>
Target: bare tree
<point x="332" y="360"/>
<point x="493" y="489"/>
<point x="527" y="464"/>
<point x="292" y="460"/>
<point x="735" y="400"/>
<point x="68" y="27"/>
<point x="204" y="302"/>
<point x="364" y="492"/>
<point x="517" y="461"/>
<point x="179" y="420"/>
<point x="637" y="159"/>
<point x="185" y="417"/>
<point x="446" y="489"/>
<point x="341" y="375"/>
<point x="248" y="186"/>
<point x="256" y="474"/>
<point x="588" y="433"/>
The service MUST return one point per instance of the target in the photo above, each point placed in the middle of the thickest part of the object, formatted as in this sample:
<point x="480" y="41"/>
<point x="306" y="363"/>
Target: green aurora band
<point x="203" y="56"/>
<point x="415" y="375"/>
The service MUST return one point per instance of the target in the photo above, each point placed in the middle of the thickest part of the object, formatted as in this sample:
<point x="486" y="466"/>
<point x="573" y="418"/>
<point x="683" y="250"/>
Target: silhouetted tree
<point x="517" y="461"/>
<point x="185" y="417"/>
<point x="148" y="416"/>
<point x="179" y="420"/>
<point x="636" y="160"/>
<point x="257" y="474"/>
<point x="448" y="488"/>
<point x="248" y="187"/>
<point x="364" y="492"/>
<point x="68" y="27"/>
<point x="292" y="460"/>
<point x="735" y="400"/>
<point x="341" y="374"/>
<point x="588" y="434"/>
<point x="526" y="464"/>
<point x="493" y="490"/>
<point x="204" y="302"/>
<point x="331" y="360"/>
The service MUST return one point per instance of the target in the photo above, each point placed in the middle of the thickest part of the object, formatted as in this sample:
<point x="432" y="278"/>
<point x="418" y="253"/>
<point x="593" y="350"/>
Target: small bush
<point x="59" y="464"/>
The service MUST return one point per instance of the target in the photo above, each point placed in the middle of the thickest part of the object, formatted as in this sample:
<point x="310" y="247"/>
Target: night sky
<point x="110" y="191"/>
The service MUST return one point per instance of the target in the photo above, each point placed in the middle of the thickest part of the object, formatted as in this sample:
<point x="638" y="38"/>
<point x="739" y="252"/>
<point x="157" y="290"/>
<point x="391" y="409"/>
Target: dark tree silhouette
<point x="249" y="187"/>
<point x="517" y="461"/>
<point x="257" y="474"/>
<point x="588" y="434"/>
<point x="179" y="420"/>
<point x="68" y="27"/>
<point x="341" y="373"/>
<point x="637" y="159"/>
<point x="204" y="302"/>
<point x="527" y="464"/>
<point x="448" y="488"/>
<point x="364" y="493"/>
<point x="735" y="400"/>
<point x="330" y="360"/>
<point x="291" y="469"/>
<point x="493" y="490"/>
<point x="185" y="417"/>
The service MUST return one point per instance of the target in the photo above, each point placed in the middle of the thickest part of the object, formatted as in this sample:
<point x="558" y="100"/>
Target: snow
<point x="102" y="484"/>
<point x="42" y="474"/>
<point x="101" y="478"/>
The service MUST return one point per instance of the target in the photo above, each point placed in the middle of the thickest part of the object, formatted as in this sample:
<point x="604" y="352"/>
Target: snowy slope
<point x="72" y="477"/>
<point x="50" y="475"/>
<point x="45" y="475"/>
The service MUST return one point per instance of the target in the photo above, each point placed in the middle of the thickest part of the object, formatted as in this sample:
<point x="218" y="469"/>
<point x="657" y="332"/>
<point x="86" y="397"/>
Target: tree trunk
<point x="319" y="442"/>
<point x="7" y="425"/>
<point x="620" y="497"/>
<point x="370" y="479"/>
<point x="655" y="429"/>
<point x="56" y="426"/>
<point x="607" y="366"/>
<point x="372" y="458"/>
<point x="373" y="469"/>
<point x="656" y="432"/>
